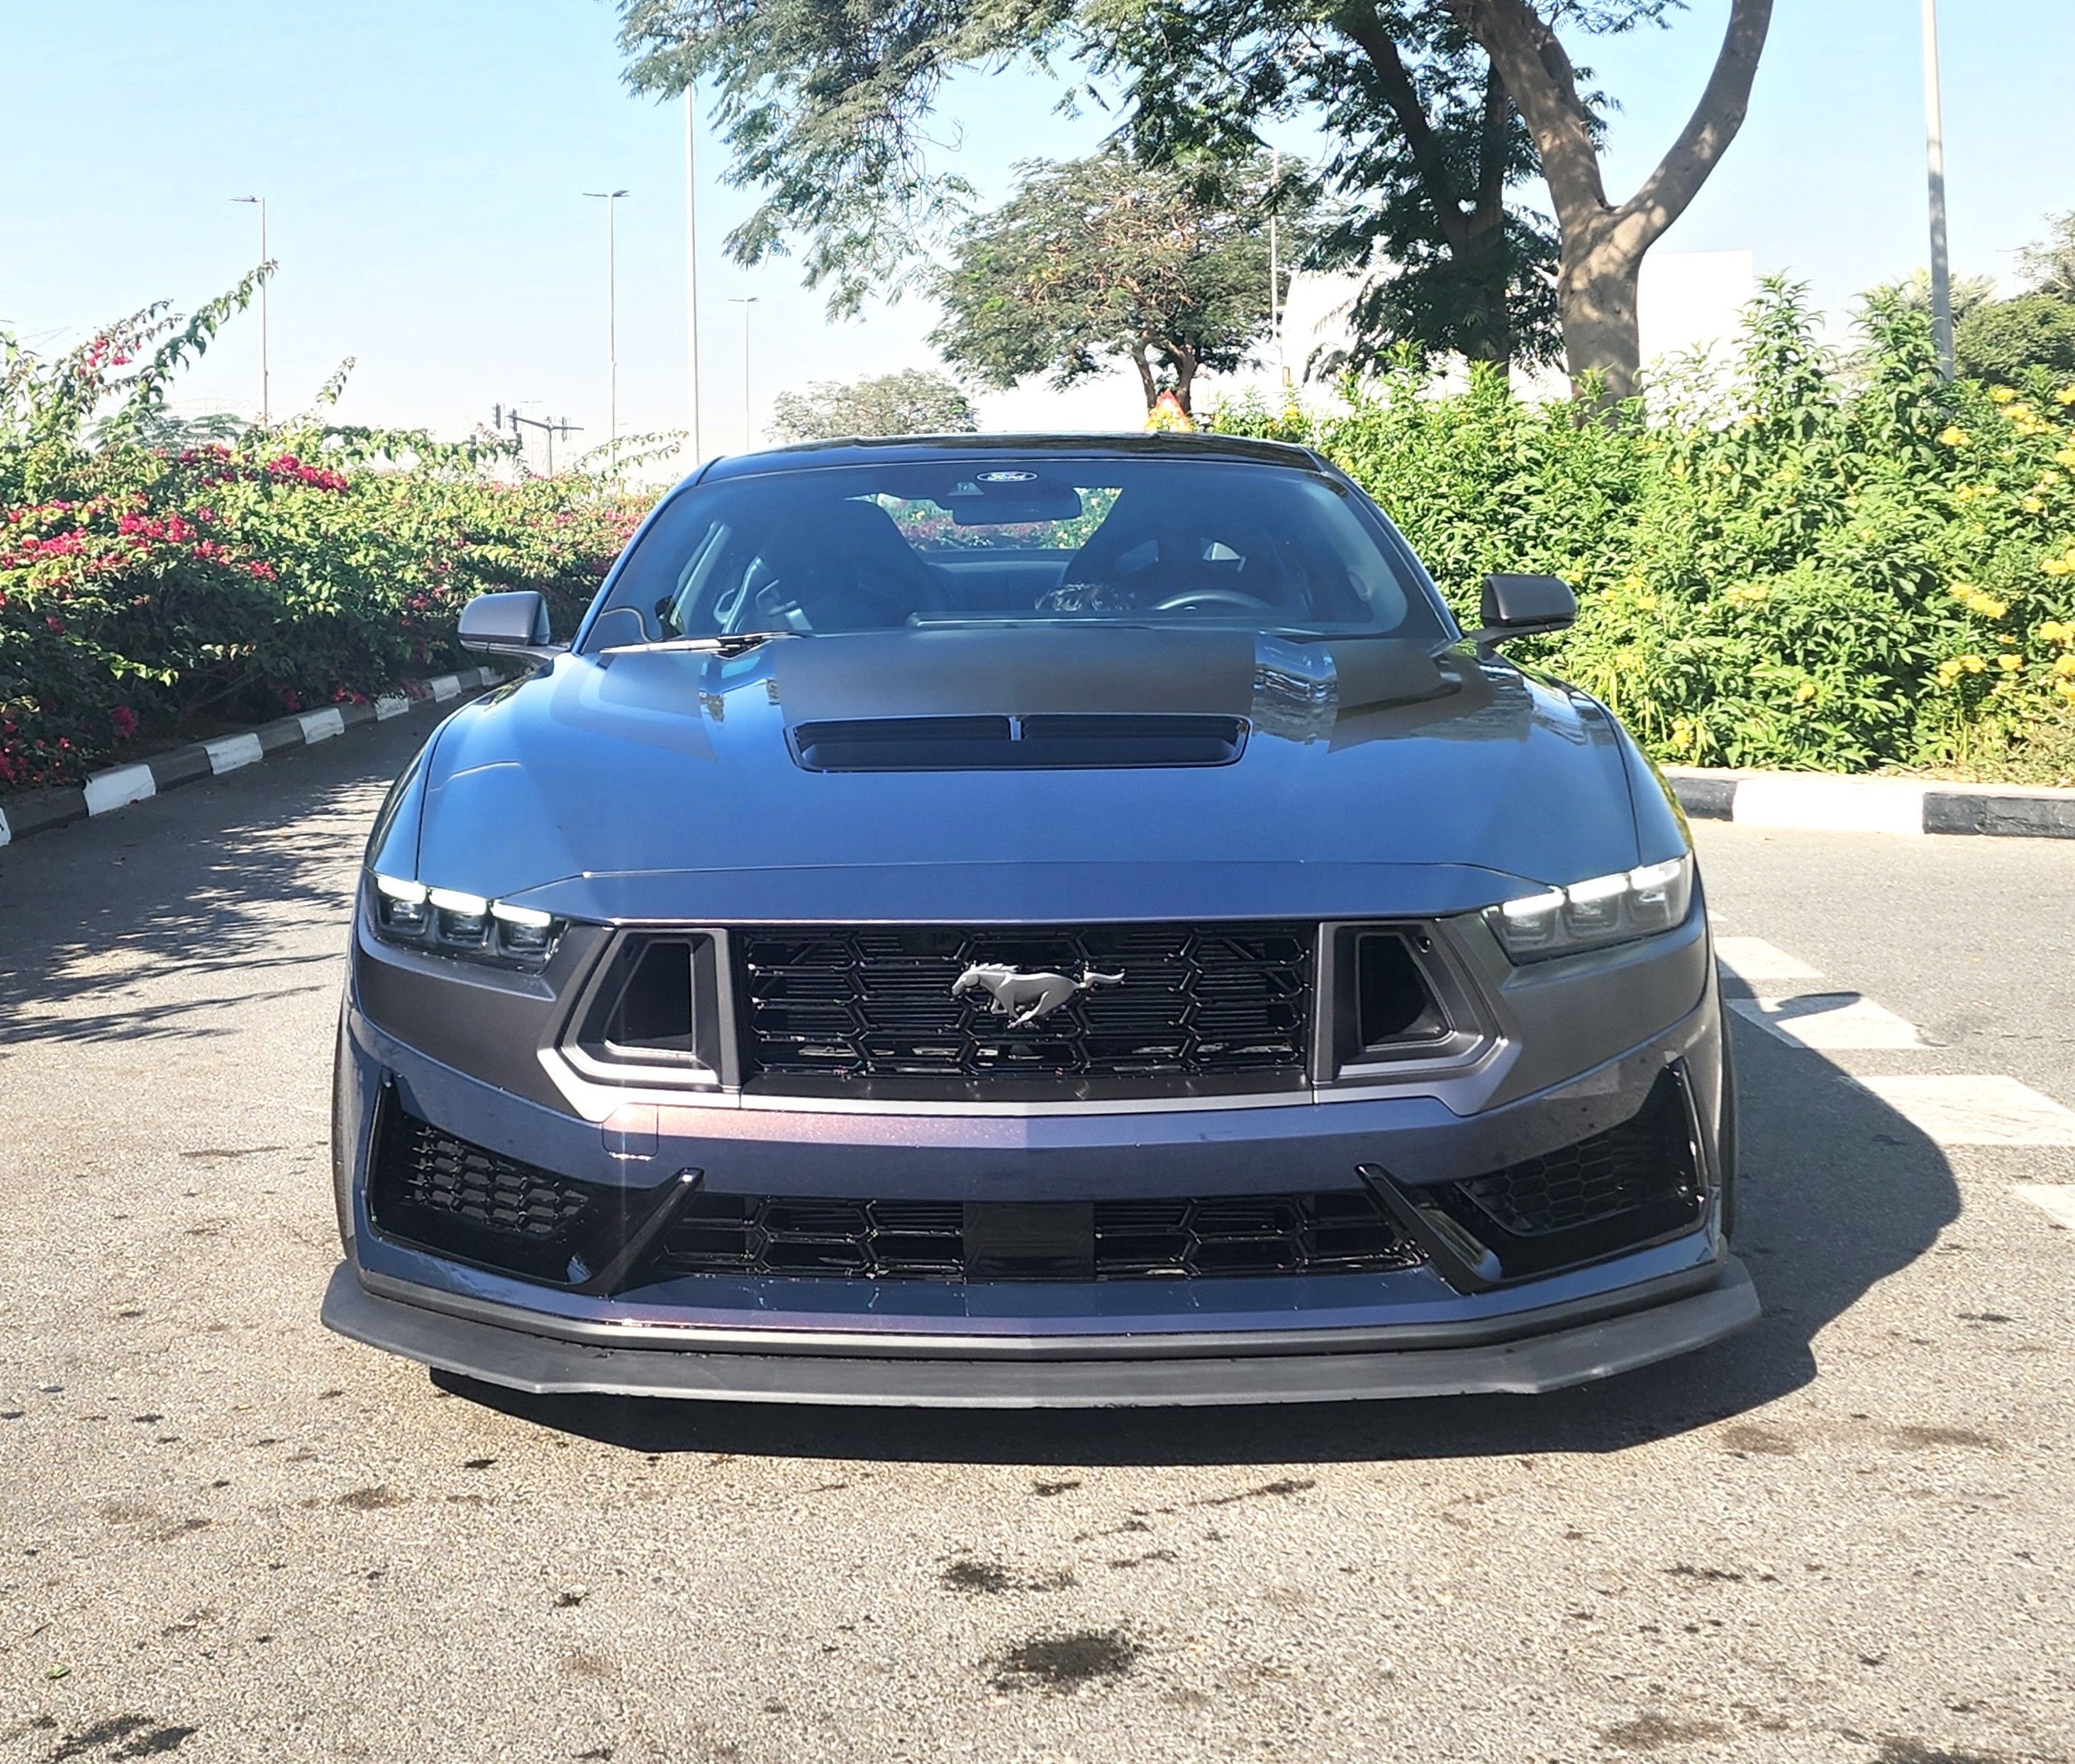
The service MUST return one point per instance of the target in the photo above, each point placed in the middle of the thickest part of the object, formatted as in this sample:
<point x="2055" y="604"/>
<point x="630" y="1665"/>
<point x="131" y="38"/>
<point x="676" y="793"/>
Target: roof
<point x="865" y="450"/>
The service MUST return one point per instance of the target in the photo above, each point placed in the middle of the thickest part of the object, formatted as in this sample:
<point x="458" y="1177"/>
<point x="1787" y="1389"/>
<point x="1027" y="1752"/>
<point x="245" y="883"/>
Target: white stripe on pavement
<point x="227" y="753"/>
<point x="1830" y="805"/>
<point x="1752" y="959"/>
<point x="1985" y="1110"/>
<point x="394" y="704"/>
<point x="1828" y="1021"/>
<point x="2056" y="1200"/>
<point x="321" y="725"/>
<point x="119" y="788"/>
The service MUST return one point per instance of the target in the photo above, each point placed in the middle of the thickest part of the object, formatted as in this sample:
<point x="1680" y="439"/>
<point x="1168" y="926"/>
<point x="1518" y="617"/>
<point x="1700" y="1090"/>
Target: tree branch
<point x="1538" y="74"/>
<point x="1708" y="131"/>
<point x="1361" y="24"/>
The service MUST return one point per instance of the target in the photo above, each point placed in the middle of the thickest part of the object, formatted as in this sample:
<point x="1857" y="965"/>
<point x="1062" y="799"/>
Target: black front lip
<point x="1543" y="1350"/>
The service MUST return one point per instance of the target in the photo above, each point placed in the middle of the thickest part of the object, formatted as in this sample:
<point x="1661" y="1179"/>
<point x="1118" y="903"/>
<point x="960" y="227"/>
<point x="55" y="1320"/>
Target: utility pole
<point x="1934" y="134"/>
<point x="266" y="401"/>
<point x="745" y="301"/>
<point x="610" y="199"/>
<point x="691" y="279"/>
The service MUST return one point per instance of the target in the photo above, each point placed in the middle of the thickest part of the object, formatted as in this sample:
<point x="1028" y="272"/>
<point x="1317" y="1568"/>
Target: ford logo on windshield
<point x="1006" y="478"/>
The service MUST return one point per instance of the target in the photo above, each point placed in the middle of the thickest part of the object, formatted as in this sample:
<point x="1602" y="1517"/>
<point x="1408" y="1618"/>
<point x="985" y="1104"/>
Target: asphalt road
<point x="225" y="1534"/>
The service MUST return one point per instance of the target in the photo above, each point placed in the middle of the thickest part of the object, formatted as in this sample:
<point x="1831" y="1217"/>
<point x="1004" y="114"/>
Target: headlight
<point x="445" y="921"/>
<point x="1589" y="915"/>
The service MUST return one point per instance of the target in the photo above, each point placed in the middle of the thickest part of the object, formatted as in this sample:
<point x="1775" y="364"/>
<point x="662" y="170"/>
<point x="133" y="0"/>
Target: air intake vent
<point x="1050" y="742"/>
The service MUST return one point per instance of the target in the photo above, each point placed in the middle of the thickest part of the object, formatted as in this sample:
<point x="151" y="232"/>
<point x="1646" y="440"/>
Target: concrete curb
<point x="1909" y="806"/>
<point x="38" y="811"/>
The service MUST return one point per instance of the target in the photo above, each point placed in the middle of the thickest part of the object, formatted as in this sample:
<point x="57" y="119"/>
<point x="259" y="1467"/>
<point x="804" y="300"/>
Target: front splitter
<point x="1549" y="1359"/>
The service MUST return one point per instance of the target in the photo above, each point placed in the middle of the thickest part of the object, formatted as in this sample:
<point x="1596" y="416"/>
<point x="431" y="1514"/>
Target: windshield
<point x="998" y="540"/>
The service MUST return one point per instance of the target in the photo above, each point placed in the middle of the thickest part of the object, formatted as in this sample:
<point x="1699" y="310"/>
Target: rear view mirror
<point x="1522" y="606"/>
<point x="515" y="623"/>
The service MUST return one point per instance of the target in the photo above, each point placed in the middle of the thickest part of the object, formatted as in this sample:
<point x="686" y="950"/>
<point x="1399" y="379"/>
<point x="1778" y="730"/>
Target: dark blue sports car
<point x="1013" y="922"/>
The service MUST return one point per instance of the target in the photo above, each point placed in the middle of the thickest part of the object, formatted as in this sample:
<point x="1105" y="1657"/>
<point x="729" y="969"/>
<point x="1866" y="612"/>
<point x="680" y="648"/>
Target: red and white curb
<point x="38" y="811"/>
<point x="1825" y="802"/>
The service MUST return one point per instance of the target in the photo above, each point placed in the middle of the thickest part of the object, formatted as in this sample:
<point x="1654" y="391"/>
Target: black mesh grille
<point x="1632" y="1182"/>
<point x="1225" y="1236"/>
<point x="428" y="1187"/>
<point x="866" y="1003"/>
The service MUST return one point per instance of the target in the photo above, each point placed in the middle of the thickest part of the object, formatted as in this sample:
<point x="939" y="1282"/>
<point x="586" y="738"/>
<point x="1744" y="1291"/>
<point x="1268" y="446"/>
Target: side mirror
<point x="1524" y="606"/>
<point x="508" y="624"/>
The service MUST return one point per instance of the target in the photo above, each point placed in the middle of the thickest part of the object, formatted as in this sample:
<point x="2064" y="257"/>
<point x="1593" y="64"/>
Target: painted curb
<point x="39" y="811"/>
<point x="1911" y="807"/>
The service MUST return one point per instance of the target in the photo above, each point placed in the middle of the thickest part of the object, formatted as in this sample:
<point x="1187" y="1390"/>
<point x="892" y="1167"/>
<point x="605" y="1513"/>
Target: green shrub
<point x="1811" y="565"/>
<point x="2000" y="341"/>
<point x="148" y="591"/>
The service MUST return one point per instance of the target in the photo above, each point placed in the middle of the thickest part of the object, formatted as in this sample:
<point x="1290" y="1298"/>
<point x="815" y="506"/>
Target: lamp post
<point x="691" y="280"/>
<point x="745" y="301"/>
<point x="610" y="198"/>
<point x="1934" y="144"/>
<point x="265" y="402"/>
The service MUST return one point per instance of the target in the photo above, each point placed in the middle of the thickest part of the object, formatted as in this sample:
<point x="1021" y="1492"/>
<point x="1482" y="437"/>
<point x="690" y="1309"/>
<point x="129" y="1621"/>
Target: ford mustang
<point x="1023" y="922"/>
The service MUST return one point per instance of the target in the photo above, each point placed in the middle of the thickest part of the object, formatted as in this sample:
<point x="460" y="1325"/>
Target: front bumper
<point x="1565" y="1344"/>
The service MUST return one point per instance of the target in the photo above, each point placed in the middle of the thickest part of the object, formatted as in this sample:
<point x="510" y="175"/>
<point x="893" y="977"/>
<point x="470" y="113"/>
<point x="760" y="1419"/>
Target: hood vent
<point x="1048" y="743"/>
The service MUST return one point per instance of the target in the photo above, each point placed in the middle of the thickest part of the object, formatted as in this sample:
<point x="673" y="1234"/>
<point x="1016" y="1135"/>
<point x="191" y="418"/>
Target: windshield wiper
<point x="738" y="643"/>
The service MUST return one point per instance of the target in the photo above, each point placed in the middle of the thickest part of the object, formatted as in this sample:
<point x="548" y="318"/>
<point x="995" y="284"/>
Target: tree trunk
<point x="1144" y="365"/>
<point x="1596" y="290"/>
<point x="1185" y="376"/>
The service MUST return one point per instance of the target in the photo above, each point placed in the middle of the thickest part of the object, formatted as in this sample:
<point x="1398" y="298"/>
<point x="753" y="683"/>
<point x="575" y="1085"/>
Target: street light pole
<point x="1934" y="141"/>
<point x="745" y="301"/>
<point x="265" y="402"/>
<point x="610" y="199"/>
<point x="691" y="278"/>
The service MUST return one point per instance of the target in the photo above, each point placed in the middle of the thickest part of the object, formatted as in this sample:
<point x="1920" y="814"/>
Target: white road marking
<point x="227" y="753"/>
<point x="118" y="788"/>
<point x="1830" y="805"/>
<point x="1985" y="1110"/>
<point x="1829" y="1022"/>
<point x="1752" y="958"/>
<point x="2056" y="1200"/>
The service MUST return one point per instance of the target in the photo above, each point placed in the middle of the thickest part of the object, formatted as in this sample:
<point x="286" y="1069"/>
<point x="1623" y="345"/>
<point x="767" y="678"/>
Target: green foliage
<point x="1101" y="258"/>
<point x="2048" y="267"/>
<point x="914" y="402"/>
<point x="1810" y="568"/>
<point x="2001" y="340"/>
<point x="825" y="107"/>
<point x="152" y="586"/>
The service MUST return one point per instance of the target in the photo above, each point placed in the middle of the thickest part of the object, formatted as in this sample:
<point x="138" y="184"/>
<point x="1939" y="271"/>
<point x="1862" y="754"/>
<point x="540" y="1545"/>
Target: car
<point x="1016" y="920"/>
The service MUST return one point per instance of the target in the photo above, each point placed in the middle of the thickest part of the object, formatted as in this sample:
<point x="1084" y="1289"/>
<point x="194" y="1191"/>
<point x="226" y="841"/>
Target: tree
<point x="2048" y="267"/>
<point x="1101" y="259"/>
<point x="825" y="104"/>
<point x="1912" y="294"/>
<point x="915" y="401"/>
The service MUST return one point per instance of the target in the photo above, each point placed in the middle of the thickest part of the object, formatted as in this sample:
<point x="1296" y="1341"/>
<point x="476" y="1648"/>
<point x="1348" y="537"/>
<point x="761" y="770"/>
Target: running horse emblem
<point x="1022" y="997"/>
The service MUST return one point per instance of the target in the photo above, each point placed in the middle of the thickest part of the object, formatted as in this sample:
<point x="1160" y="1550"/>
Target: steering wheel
<point x="1212" y="597"/>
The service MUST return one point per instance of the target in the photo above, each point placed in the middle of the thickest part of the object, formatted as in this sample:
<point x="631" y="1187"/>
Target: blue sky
<point x="424" y="164"/>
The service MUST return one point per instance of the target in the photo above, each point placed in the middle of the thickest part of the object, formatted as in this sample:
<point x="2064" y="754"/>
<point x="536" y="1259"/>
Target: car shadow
<point x="1838" y="1193"/>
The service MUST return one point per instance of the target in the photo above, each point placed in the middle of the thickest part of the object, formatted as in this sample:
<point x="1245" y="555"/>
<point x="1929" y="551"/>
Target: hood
<point x="1372" y="778"/>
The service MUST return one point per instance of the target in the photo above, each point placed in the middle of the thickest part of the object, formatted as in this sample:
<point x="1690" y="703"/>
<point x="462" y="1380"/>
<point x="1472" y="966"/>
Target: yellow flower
<point x="1804" y="692"/>
<point x="1973" y="664"/>
<point x="1987" y="606"/>
<point x="2002" y="394"/>
<point x="2066" y="457"/>
<point x="2053" y="630"/>
<point x="2065" y="667"/>
<point x="1949" y="671"/>
<point x="2011" y="663"/>
<point x="2031" y="505"/>
<point x="1953" y="435"/>
<point x="2065" y="395"/>
<point x="2066" y="688"/>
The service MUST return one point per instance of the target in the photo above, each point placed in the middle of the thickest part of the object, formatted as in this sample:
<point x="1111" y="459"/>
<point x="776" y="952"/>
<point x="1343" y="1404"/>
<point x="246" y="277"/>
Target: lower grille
<point x="1222" y="1237"/>
<point x="1635" y="1181"/>
<point x="427" y="1187"/>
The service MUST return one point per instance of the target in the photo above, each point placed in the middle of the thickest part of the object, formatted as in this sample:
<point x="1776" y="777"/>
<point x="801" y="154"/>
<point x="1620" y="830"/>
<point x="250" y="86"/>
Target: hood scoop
<point x="1048" y="743"/>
